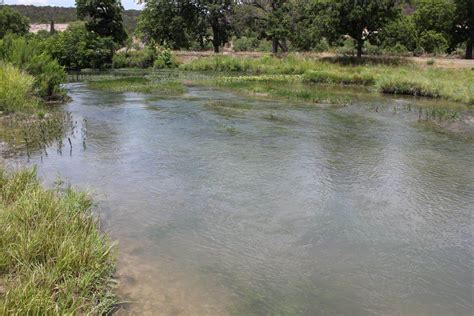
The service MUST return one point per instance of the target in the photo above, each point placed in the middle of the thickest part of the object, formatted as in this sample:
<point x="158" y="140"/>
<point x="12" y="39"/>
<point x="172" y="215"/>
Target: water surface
<point x="223" y="204"/>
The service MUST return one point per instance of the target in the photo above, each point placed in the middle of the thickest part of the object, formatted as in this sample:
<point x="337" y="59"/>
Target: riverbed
<point x="225" y="204"/>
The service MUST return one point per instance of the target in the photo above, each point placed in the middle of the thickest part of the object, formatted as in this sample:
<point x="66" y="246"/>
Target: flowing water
<point x="223" y="204"/>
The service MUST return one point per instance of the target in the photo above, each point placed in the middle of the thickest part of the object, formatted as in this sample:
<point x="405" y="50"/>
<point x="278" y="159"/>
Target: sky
<point x="128" y="4"/>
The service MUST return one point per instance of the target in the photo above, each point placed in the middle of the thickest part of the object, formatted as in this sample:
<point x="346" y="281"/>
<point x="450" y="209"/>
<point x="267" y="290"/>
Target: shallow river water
<point x="223" y="204"/>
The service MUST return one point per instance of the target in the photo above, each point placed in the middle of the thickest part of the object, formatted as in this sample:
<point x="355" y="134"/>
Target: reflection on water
<point x="261" y="207"/>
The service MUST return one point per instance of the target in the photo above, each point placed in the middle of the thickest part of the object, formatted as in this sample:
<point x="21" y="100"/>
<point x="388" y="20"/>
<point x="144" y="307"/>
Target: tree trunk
<point x="215" y="37"/>
<point x="274" y="46"/>
<point x="216" y="47"/>
<point x="283" y="46"/>
<point x="469" y="48"/>
<point x="360" y="46"/>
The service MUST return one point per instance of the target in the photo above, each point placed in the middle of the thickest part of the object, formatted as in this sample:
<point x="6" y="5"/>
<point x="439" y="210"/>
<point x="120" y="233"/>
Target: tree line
<point x="435" y="26"/>
<point x="387" y="26"/>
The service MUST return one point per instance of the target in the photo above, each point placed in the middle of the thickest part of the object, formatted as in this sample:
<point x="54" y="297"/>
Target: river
<point x="268" y="207"/>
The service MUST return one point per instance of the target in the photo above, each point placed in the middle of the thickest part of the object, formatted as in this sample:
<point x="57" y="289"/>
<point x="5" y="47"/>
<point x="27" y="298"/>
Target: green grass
<point x="396" y="78"/>
<point x="138" y="85"/>
<point x="16" y="90"/>
<point x="53" y="259"/>
<point x="281" y="86"/>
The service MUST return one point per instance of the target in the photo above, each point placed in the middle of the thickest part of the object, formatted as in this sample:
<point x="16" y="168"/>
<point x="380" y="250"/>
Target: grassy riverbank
<point x="386" y="76"/>
<point x="53" y="259"/>
<point x="138" y="85"/>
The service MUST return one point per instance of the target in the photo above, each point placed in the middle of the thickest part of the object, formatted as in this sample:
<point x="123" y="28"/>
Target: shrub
<point x="322" y="46"/>
<point x="76" y="48"/>
<point x="119" y="60"/>
<point x="398" y="49"/>
<point x="245" y="44"/>
<point x="166" y="59"/>
<point x="30" y="55"/>
<point x="433" y="42"/>
<point x="16" y="89"/>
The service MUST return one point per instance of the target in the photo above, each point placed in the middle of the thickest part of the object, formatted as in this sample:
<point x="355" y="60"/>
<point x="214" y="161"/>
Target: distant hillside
<point x="40" y="15"/>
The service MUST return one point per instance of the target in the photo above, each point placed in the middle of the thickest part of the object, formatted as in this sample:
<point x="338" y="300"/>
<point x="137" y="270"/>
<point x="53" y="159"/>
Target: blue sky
<point x="128" y="4"/>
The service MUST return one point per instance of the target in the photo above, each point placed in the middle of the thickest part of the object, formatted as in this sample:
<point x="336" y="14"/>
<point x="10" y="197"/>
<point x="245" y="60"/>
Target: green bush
<point x="245" y="44"/>
<point x="76" y="48"/>
<point x="322" y="46"/>
<point x="119" y="60"/>
<point x="433" y="42"/>
<point x="30" y="56"/>
<point x="166" y="59"/>
<point x="144" y="58"/>
<point x="16" y="89"/>
<point x="397" y="49"/>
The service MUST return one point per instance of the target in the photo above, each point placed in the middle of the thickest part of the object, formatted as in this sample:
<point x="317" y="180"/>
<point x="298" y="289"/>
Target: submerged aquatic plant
<point x="36" y="132"/>
<point x="138" y="85"/>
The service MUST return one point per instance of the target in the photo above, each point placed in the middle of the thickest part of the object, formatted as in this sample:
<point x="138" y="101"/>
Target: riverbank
<point x="52" y="256"/>
<point x="392" y="76"/>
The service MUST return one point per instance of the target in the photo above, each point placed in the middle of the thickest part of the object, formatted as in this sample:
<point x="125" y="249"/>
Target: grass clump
<point x="53" y="259"/>
<point x="138" y="85"/>
<point x="16" y="90"/>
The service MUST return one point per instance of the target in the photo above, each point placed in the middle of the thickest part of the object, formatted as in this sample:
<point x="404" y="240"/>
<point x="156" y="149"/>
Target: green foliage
<point x="172" y="23"/>
<point x="104" y="17"/>
<point x="178" y="24"/>
<point x="363" y="19"/>
<point x="11" y="21"/>
<point x="144" y="58"/>
<point x="245" y="44"/>
<point x="16" y="89"/>
<point x="433" y="42"/>
<point x="53" y="259"/>
<point x="76" y="48"/>
<point x="400" y="32"/>
<point x="166" y="59"/>
<point x="30" y="55"/>
<point x="434" y="15"/>
<point x="464" y="25"/>
<point x="434" y="21"/>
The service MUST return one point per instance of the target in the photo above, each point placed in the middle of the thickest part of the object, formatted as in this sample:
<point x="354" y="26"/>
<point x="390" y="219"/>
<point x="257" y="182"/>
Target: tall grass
<point x="16" y="89"/>
<point x="53" y="259"/>
<point x="395" y="78"/>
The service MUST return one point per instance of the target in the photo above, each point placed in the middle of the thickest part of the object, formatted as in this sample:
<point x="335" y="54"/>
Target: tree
<point x="464" y="24"/>
<point x="216" y="13"/>
<point x="179" y="22"/>
<point x="77" y="48"/>
<point x="270" y="18"/>
<point x="401" y="31"/>
<point x="104" y="17"/>
<point x="362" y="19"/>
<point x="167" y="22"/>
<point x="11" y="21"/>
<point x="310" y="23"/>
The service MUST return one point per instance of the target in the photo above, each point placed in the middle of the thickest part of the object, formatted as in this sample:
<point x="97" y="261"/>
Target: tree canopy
<point x="104" y="17"/>
<point x="11" y="21"/>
